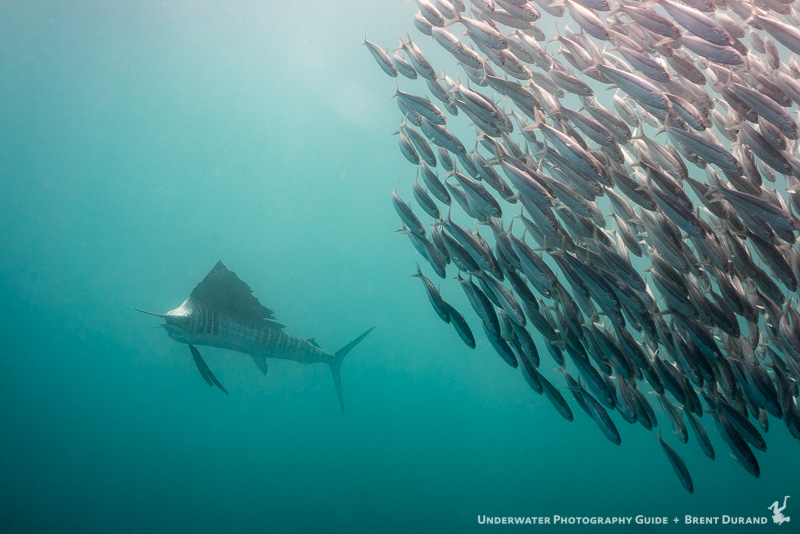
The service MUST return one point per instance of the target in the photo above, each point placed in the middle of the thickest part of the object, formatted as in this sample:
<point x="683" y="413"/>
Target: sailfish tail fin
<point x="336" y="365"/>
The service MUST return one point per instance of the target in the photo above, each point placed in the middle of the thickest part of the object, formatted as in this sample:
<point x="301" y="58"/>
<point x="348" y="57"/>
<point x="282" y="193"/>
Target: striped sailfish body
<point x="262" y="339"/>
<point x="222" y="312"/>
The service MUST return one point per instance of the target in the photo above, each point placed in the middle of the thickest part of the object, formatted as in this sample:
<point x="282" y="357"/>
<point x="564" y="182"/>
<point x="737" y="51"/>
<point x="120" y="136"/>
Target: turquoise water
<point x="141" y="143"/>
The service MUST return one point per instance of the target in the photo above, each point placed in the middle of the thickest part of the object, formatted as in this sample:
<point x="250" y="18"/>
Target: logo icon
<point x="777" y="512"/>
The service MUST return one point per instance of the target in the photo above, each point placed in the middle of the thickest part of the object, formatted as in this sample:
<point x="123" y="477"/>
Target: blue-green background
<point x="140" y="142"/>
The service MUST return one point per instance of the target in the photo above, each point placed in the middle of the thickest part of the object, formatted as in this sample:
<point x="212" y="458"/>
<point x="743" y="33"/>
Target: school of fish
<point x="644" y="237"/>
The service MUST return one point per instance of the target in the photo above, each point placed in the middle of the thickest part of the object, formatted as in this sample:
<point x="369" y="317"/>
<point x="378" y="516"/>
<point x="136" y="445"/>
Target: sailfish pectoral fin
<point x="261" y="362"/>
<point x="206" y="373"/>
<point x="201" y="365"/>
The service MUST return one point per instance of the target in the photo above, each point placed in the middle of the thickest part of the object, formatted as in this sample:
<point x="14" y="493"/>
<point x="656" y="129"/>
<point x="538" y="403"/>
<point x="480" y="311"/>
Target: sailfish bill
<point x="222" y="312"/>
<point x="150" y="313"/>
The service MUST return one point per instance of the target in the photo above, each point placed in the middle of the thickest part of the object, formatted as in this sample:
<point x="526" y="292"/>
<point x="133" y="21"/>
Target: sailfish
<point x="222" y="312"/>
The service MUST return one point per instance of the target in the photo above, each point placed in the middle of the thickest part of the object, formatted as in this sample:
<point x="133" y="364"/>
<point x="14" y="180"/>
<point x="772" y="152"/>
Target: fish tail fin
<point x="337" y="381"/>
<point x="336" y="365"/>
<point x="456" y="18"/>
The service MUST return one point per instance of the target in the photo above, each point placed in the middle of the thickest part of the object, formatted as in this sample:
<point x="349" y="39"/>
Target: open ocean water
<point x="143" y="141"/>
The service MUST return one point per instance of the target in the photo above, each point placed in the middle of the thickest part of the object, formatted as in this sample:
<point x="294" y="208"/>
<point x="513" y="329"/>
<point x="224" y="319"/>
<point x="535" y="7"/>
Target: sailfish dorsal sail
<point x="226" y="294"/>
